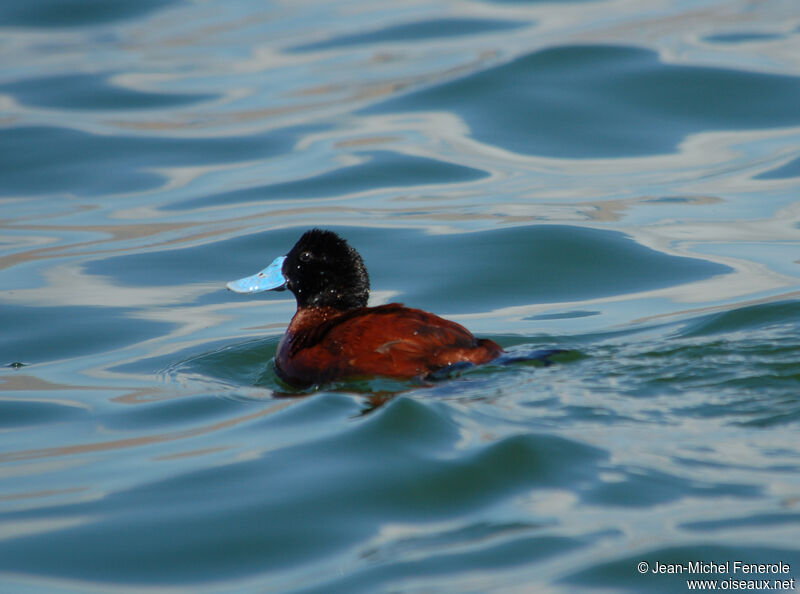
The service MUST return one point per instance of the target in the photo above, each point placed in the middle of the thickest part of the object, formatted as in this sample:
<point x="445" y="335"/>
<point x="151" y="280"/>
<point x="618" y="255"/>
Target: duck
<point x="335" y="336"/>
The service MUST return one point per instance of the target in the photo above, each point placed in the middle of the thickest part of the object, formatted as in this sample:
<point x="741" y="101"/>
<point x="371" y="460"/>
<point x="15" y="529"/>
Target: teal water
<point x="618" y="180"/>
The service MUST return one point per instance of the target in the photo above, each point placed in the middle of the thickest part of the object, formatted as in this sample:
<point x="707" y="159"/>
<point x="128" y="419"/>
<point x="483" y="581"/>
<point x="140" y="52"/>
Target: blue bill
<point x="268" y="279"/>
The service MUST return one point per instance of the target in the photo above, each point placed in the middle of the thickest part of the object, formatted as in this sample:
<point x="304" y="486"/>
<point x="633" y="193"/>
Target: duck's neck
<point x="304" y="330"/>
<point x="311" y="317"/>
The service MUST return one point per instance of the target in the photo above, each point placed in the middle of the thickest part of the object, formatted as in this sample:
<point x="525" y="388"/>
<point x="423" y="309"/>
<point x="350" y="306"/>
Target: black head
<point x="323" y="270"/>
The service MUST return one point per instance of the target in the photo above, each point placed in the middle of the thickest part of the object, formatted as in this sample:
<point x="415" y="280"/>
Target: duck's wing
<point x="397" y="341"/>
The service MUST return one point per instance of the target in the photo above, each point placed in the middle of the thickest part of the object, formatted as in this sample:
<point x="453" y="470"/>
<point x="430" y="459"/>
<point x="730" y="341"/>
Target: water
<point x="616" y="179"/>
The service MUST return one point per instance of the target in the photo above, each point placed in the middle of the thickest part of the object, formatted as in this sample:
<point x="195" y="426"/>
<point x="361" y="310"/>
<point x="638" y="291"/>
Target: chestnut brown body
<point x="324" y="344"/>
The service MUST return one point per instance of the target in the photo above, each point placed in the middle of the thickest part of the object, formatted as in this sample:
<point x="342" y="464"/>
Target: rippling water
<point x="615" y="179"/>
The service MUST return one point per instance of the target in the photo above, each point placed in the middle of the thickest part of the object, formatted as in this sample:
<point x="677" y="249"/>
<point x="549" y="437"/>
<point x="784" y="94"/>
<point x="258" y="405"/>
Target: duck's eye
<point x="305" y="256"/>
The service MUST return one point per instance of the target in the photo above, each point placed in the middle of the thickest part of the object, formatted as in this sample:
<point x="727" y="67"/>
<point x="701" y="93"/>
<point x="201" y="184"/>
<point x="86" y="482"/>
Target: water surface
<point x="613" y="180"/>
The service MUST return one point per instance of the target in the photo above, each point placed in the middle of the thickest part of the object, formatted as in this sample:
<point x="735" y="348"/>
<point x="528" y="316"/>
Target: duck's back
<point x="389" y="340"/>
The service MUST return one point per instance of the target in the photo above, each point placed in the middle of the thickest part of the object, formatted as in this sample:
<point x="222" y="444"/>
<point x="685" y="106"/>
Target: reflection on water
<point x="419" y="30"/>
<point x="550" y="102"/>
<point x="613" y="181"/>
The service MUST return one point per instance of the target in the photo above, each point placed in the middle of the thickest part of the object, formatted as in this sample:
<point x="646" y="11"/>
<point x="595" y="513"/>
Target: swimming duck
<point x="335" y="336"/>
